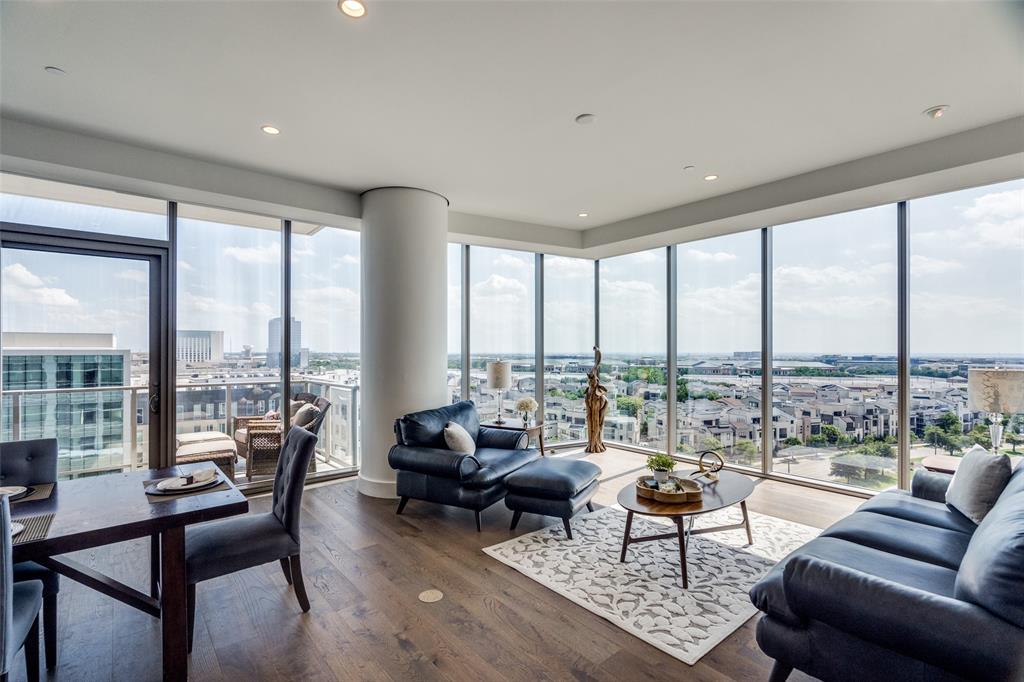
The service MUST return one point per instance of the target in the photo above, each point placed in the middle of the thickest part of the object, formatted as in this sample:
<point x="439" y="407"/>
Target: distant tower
<point x="274" y="342"/>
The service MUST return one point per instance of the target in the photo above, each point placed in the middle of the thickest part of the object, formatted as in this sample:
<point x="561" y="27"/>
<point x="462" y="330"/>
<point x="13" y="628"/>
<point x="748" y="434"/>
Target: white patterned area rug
<point x="644" y="596"/>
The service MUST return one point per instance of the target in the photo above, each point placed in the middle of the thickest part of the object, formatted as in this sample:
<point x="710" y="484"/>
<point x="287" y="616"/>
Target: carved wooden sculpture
<point x="597" y="406"/>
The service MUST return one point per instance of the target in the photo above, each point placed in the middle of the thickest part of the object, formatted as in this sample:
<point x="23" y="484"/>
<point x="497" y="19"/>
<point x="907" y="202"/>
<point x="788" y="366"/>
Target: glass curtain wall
<point x="455" y="322"/>
<point x="966" y="310"/>
<point x="501" y="299"/>
<point x="229" y="337"/>
<point x="834" y="391"/>
<point x="718" y="348"/>
<point x="568" y="346"/>
<point x="325" y="295"/>
<point x="634" y="347"/>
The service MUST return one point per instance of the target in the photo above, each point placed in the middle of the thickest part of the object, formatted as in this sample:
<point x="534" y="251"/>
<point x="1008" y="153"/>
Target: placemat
<point x="36" y="528"/>
<point x="154" y="499"/>
<point x="40" y="491"/>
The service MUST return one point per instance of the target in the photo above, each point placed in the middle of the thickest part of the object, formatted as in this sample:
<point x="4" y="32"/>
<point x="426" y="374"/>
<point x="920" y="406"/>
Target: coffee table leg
<point x="746" y="522"/>
<point x="681" y="529"/>
<point x="625" y="537"/>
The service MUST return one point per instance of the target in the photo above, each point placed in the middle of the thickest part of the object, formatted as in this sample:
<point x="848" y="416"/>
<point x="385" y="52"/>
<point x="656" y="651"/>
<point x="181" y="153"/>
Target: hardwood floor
<point x="364" y="568"/>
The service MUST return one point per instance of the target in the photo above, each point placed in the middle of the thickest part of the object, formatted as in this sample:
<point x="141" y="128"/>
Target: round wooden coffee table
<point x="731" y="488"/>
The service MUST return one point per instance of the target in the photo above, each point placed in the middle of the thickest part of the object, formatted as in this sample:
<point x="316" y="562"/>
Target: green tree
<point x="950" y="423"/>
<point x="831" y="433"/>
<point x="629" y="405"/>
<point x="979" y="435"/>
<point x="682" y="389"/>
<point x="1014" y="439"/>
<point x="789" y="442"/>
<point x="710" y="443"/>
<point x="745" y="452"/>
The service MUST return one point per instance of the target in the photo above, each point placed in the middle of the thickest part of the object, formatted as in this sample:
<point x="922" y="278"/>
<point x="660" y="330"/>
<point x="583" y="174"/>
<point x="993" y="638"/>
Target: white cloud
<point x="924" y="265"/>
<point x="264" y="309"/>
<point x="996" y="206"/>
<point x="207" y="304"/>
<point x="707" y="256"/>
<point x="347" y="259"/>
<point x="18" y="275"/>
<point x="21" y="285"/>
<point x="139" y="276"/>
<point x="627" y="287"/>
<point x="500" y="290"/>
<point x="262" y="255"/>
<point x="561" y="267"/>
<point x="506" y="260"/>
<point x="185" y="266"/>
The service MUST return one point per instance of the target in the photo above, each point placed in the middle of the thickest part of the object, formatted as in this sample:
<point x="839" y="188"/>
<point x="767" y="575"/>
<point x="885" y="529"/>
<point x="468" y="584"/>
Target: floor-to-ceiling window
<point x="568" y="345"/>
<point x="501" y="299"/>
<point x="966" y="310"/>
<point x="835" y="329"/>
<point x="229" y="332"/>
<point x="455" y="252"/>
<point x="718" y="349"/>
<point x="325" y="352"/>
<point x="633" y="342"/>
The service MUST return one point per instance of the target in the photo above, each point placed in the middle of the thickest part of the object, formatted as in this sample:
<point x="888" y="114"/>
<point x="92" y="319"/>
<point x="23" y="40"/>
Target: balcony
<point x="96" y="433"/>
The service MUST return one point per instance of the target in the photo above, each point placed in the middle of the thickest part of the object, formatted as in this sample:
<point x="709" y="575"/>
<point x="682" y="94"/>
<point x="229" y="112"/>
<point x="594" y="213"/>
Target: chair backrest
<point x="6" y="588"/>
<point x="426" y="428"/>
<point x="319" y="402"/>
<point x="296" y="452"/>
<point x="25" y="462"/>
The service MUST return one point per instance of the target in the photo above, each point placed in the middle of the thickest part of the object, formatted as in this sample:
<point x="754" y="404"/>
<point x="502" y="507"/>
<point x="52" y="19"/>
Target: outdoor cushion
<point x="905" y="538"/>
<point x="458" y="439"/>
<point x="306" y="415"/>
<point x="242" y="436"/>
<point x="768" y="594"/>
<point x="978" y="482"/>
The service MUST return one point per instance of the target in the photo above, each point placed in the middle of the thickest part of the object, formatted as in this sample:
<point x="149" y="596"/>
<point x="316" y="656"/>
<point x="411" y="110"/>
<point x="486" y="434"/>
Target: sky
<point x="834" y="282"/>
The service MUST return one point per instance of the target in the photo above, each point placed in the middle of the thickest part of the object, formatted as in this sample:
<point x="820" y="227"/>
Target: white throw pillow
<point x="979" y="480"/>
<point x="458" y="439"/>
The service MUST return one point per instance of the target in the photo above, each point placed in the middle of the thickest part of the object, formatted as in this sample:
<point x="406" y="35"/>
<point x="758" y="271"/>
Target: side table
<point x="516" y="425"/>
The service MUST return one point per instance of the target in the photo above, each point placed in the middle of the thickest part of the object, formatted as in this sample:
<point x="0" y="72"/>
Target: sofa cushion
<point x="978" y="482"/>
<point x="458" y="439"/>
<point x="992" y="572"/>
<point x="426" y="428"/>
<point x="495" y="465"/>
<point x="769" y="596"/>
<point x="552" y="479"/>
<point x="902" y="505"/>
<point x="305" y="415"/>
<point x="902" y="537"/>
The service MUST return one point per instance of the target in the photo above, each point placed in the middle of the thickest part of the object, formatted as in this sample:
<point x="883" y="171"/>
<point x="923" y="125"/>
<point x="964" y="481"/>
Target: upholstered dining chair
<point x="32" y="462"/>
<point x="222" y="547"/>
<point x="19" y="607"/>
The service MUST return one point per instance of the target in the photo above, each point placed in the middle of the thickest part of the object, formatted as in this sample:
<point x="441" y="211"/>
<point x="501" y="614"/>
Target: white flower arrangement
<point x="526" y="405"/>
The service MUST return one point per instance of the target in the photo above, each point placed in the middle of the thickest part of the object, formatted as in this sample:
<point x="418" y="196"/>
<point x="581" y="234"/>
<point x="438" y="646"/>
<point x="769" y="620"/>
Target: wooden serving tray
<point x="691" y="491"/>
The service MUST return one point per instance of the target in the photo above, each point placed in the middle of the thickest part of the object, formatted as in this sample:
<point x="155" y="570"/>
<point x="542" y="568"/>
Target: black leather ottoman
<point x="552" y="487"/>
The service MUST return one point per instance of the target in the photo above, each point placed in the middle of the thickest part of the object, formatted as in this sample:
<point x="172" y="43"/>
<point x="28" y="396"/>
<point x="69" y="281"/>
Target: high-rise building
<point x="91" y="425"/>
<point x="274" y="331"/>
<point x="199" y="345"/>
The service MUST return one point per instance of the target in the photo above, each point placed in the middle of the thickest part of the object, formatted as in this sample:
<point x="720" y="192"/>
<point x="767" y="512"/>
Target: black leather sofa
<point x="428" y="470"/>
<point x="905" y="588"/>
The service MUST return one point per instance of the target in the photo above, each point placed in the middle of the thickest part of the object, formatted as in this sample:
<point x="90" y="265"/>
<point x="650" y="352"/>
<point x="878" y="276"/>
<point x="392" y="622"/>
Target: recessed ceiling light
<point x="352" y="8"/>
<point x="936" y="111"/>
<point x="270" y="130"/>
<point x="585" y="119"/>
<point x="711" y="177"/>
<point x="582" y="214"/>
<point x="55" y="70"/>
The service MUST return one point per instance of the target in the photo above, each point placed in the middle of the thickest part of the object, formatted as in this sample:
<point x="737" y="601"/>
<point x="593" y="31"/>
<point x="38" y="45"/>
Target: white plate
<point x="16" y="528"/>
<point x="12" y="490"/>
<point x="179" y="484"/>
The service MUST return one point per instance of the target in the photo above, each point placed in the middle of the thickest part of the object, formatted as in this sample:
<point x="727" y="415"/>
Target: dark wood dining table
<point x="102" y="510"/>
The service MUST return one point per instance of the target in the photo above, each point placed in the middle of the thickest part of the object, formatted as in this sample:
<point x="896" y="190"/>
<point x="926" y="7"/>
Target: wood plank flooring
<point x="364" y="567"/>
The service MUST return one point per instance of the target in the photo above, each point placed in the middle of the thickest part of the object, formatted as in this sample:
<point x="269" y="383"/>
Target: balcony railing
<point x="98" y="434"/>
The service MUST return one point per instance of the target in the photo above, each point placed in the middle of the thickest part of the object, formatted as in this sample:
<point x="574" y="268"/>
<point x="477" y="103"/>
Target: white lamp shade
<point x="995" y="390"/>
<point x="499" y="375"/>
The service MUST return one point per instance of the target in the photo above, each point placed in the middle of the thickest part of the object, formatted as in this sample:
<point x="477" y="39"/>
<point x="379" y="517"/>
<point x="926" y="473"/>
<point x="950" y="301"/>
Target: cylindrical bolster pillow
<point x="433" y="462"/>
<point x="502" y="439"/>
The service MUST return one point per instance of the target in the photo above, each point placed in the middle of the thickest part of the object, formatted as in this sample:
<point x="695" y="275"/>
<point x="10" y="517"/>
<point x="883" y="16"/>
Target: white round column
<point x="404" y="344"/>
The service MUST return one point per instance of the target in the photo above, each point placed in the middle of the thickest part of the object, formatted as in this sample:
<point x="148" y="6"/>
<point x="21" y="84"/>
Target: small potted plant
<point x="526" y="407"/>
<point x="662" y="465"/>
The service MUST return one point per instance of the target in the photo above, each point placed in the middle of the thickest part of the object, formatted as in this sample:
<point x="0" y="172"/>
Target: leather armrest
<point x="930" y="485"/>
<point x="433" y="462"/>
<point x="502" y="439"/>
<point x="948" y="633"/>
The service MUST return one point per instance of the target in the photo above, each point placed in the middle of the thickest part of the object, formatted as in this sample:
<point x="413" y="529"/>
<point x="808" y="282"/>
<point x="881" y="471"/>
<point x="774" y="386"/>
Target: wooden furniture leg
<point x="173" y="604"/>
<point x="287" y="571"/>
<point x="681" y="529"/>
<point x="50" y="630"/>
<point x="32" y="652"/>
<point x="746" y="522"/>
<point x="154" y="565"/>
<point x="625" y="537"/>
<point x="300" y="587"/>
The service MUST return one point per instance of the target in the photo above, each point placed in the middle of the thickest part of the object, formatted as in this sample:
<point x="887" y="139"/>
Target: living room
<point x="362" y="339"/>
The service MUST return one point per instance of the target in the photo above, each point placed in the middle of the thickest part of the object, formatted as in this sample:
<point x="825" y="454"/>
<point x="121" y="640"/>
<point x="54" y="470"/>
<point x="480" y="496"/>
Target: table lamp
<point x="499" y="378"/>
<point x="997" y="392"/>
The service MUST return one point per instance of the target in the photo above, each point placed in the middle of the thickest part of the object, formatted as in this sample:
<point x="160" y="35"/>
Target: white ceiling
<point x="476" y="100"/>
